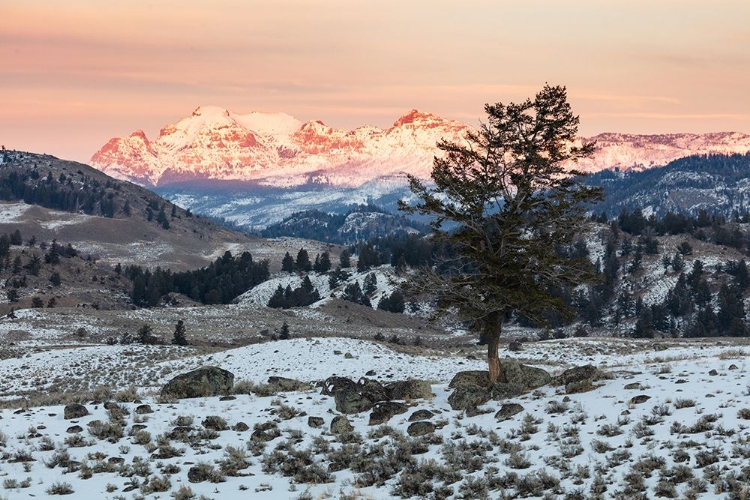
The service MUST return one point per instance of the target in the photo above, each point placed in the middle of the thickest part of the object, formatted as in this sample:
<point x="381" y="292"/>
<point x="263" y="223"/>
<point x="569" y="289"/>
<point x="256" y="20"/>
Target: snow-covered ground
<point x="686" y="439"/>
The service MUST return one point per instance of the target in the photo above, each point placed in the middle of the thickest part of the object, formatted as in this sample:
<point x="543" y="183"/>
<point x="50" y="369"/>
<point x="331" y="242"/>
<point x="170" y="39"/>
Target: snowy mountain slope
<point x="275" y="149"/>
<point x="257" y="168"/>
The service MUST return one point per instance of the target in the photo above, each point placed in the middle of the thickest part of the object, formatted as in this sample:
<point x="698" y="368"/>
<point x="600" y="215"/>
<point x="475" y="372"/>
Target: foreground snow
<point x="691" y="433"/>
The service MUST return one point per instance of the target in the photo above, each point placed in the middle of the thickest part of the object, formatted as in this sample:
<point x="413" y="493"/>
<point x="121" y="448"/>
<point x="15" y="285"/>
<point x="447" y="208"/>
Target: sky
<point x="74" y="74"/>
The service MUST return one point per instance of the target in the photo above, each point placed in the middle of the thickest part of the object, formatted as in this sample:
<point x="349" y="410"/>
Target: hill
<point x="717" y="184"/>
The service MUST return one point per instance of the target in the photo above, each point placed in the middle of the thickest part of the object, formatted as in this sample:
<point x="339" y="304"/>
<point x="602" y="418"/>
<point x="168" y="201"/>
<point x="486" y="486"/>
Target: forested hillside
<point x="716" y="183"/>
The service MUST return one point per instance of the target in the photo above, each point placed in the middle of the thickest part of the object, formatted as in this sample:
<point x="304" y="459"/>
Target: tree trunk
<point x="493" y="328"/>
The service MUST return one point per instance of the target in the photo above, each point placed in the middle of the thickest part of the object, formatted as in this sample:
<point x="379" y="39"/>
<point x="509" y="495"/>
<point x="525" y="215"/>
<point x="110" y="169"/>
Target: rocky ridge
<point x="275" y="149"/>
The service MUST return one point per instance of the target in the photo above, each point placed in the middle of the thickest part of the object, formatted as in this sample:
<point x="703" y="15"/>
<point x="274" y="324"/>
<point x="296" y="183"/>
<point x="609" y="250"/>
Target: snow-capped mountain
<point x="276" y="150"/>
<point x="258" y="168"/>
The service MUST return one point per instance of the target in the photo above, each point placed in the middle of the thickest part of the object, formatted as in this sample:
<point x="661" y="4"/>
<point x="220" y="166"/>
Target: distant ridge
<point x="277" y="150"/>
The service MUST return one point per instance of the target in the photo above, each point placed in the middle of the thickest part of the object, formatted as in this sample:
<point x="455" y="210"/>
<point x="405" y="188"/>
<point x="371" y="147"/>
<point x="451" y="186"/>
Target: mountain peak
<point x="414" y="116"/>
<point x="139" y="134"/>
<point x="210" y="111"/>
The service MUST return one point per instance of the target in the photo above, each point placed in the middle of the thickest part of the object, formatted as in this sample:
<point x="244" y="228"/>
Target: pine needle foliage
<point x="505" y="202"/>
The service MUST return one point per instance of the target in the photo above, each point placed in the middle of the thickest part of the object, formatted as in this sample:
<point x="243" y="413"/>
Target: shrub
<point x="60" y="488"/>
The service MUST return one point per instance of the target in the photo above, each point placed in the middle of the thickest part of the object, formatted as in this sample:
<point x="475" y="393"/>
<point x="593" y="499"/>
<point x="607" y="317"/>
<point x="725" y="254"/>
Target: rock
<point x="227" y="398"/>
<point x="136" y="427"/>
<point x="348" y="355"/>
<point x="383" y="411"/>
<point x="641" y="398"/>
<point x="502" y="391"/>
<point x="143" y="409"/>
<point x="240" y="427"/>
<point x="372" y="390"/>
<point x="265" y="432"/>
<point x="713" y="373"/>
<point x="409" y="389"/>
<point x="203" y="382"/>
<point x="577" y="374"/>
<point x="515" y="346"/>
<point x="332" y="385"/>
<point x="180" y="433"/>
<point x="633" y="386"/>
<point x="370" y="373"/>
<point x="529" y="377"/>
<point x="74" y="410"/>
<point x="421" y="415"/>
<point x="341" y="425"/>
<point x="215" y="422"/>
<point x="508" y="410"/>
<point x="732" y="367"/>
<point x="468" y="396"/>
<point x="116" y="460"/>
<point x="420" y="428"/>
<point x="579" y="387"/>
<point x="74" y="429"/>
<point x="288" y="384"/>
<point x="473" y="377"/>
<point x="315" y="422"/>
<point x="351" y="401"/>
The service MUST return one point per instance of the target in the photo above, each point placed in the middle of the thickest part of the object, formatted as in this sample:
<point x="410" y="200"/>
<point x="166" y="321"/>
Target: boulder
<point x="341" y="425"/>
<point x="420" y="428"/>
<point x="315" y="422"/>
<point x="74" y="410"/>
<point x="473" y="377"/>
<point x="639" y="399"/>
<point x="372" y="390"/>
<point x="508" y="410"/>
<point x="203" y="382"/>
<point x="420" y="415"/>
<point x="502" y="391"/>
<point x="383" y="411"/>
<point x="215" y="422"/>
<point x="409" y="389"/>
<point x="332" y="385"/>
<point x="143" y="410"/>
<point x="528" y="377"/>
<point x="468" y="397"/>
<point x="287" y="384"/>
<point x="577" y="374"/>
<point x="578" y="379"/>
<point x="240" y="427"/>
<point x="351" y="401"/>
<point x="267" y="431"/>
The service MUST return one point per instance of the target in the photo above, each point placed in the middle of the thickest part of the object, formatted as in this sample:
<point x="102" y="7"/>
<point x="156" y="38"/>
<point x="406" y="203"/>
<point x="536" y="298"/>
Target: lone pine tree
<point x="504" y="204"/>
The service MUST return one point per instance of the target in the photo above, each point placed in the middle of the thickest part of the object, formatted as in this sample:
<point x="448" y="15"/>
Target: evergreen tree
<point x="277" y="300"/>
<point x="180" y="337"/>
<point x="345" y="259"/>
<point x="284" y="333"/>
<point x="287" y="263"/>
<point x="15" y="238"/>
<point x="55" y="279"/>
<point x="145" y="335"/>
<point x="303" y="261"/>
<point x="4" y="245"/>
<point x="510" y="204"/>
<point x="731" y="307"/>
<point x="370" y="285"/>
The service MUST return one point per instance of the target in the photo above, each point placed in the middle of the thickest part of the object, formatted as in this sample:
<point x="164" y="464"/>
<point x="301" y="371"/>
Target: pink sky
<point x="74" y="74"/>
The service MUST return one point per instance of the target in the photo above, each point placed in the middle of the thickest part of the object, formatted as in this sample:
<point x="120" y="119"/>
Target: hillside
<point x="111" y="220"/>
<point x="717" y="184"/>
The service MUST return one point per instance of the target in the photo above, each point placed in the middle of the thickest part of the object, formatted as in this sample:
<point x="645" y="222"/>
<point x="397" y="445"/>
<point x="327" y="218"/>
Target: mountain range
<point x="257" y="168"/>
